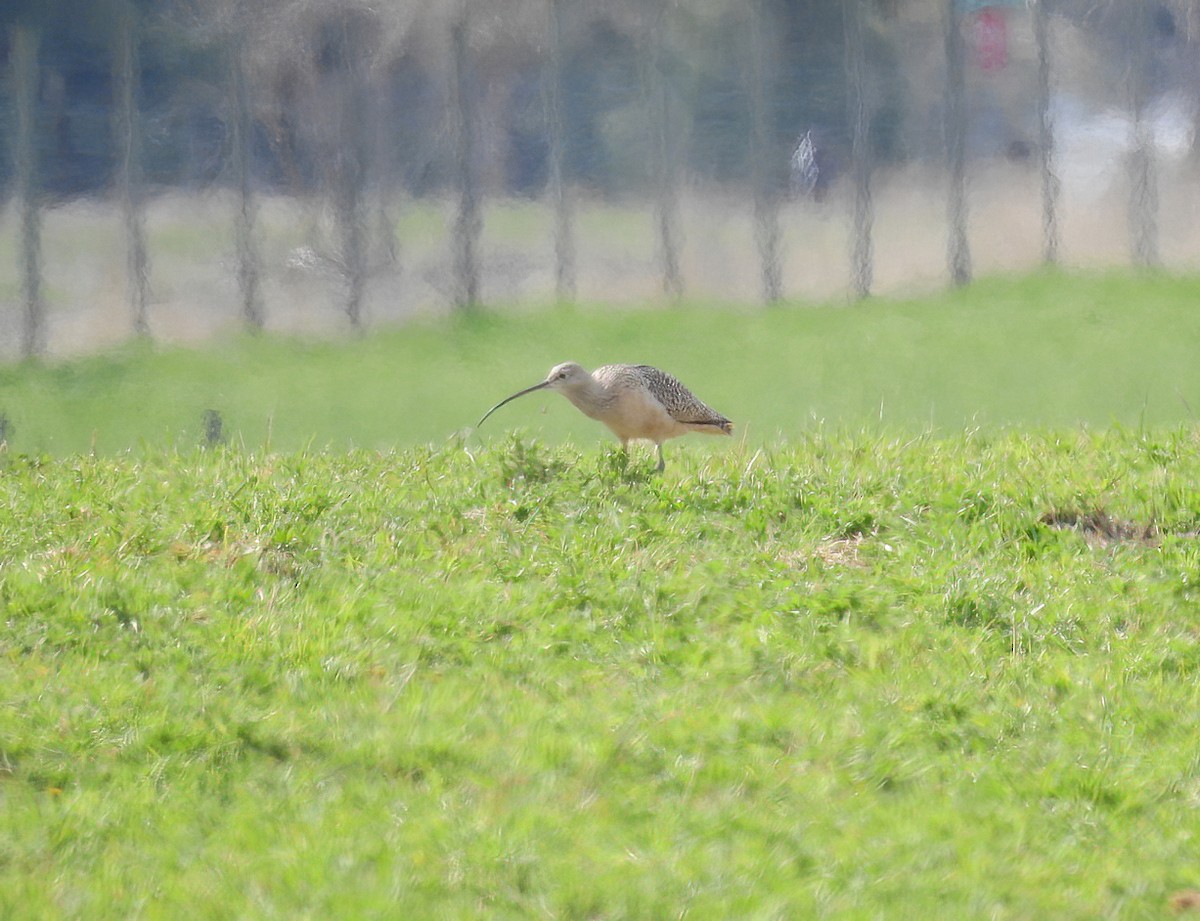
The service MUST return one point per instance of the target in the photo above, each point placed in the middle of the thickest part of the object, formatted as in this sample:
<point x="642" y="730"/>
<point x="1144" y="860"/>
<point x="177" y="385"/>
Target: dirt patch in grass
<point x="831" y="553"/>
<point x="1098" y="527"/>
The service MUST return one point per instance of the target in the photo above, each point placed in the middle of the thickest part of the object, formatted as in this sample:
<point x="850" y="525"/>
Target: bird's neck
<point x="591" y="397"/>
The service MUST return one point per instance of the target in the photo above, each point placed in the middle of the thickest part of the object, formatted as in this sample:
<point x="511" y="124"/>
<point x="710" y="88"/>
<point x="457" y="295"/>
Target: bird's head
<point x="566" y="376"/>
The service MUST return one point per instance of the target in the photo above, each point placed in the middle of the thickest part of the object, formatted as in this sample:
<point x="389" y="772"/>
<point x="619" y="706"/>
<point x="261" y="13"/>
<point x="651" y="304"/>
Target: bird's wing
<point x="681" y="403"/>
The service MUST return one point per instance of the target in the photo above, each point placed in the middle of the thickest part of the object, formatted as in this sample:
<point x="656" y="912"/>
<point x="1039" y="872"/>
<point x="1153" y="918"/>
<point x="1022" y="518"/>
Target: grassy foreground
<point x="859" y="676"/>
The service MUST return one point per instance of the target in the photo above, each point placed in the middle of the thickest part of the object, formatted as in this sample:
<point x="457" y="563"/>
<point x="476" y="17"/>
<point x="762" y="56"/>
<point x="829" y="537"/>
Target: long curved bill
<point x="519" y="393"/>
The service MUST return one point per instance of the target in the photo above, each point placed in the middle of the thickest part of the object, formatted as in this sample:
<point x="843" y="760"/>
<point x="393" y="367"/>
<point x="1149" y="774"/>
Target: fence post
<point x="468" y="224"/>
<point x="564" y="220"/>
<point x="24" y="52"/>
<point x="662" y="114"/>
<point x="1143" y="175"/>
<point x="956" y="148"/>
<point x="247" y="250"/>
<point x="862" y="250"/>
<point x="350" y="173"/>
<point x="766" y="207"/>
<point x="350" y="205"/>
<point x="381" y="177"/>
<point x="1050" y="185"/>
<point x="129" y="177"/>
<point x="214" y="428"/>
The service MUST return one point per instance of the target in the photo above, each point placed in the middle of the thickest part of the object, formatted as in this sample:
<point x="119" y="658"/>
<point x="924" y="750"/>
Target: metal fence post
<point x="1050" y="184"/>
<point x="564" y="219"/>
<point x="24" y="51"/>
<point x="1143" y="175"/>
<point x="766" y="206"/>
<point x="862" y="251"/>
<point x="243" y="231"/>
<point x="663" y="128"/>
<point x="956" y="148"/>
<point x="468" y="224"/>
<point x="129" y="177"/>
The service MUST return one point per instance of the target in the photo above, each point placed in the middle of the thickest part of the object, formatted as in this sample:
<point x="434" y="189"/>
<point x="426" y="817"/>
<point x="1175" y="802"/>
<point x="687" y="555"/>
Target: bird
<point x="635" y="401"/>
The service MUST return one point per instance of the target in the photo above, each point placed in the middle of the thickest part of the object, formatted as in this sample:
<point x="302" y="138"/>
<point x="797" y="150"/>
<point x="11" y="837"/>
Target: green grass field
<point x="1044" y="351"/>
<point x="923" y="643"/>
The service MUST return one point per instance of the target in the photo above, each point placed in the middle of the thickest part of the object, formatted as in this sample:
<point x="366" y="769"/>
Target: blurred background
<point x="178" y="168"/>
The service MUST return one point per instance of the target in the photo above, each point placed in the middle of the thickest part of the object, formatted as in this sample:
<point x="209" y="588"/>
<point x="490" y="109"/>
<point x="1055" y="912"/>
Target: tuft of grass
<point x="1047" y="350"/>
<point x="861" y="674"/>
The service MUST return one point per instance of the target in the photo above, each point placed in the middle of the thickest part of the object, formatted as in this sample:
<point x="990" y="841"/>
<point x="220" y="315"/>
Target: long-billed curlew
<point x="635" y="401"/>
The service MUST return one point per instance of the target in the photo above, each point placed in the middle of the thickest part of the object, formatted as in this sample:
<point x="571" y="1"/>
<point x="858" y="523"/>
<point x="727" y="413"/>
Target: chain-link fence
<point x="175" y="168"/>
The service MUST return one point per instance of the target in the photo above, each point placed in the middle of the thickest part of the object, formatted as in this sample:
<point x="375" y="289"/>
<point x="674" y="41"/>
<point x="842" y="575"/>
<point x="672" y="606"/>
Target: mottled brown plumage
<point x="635" y="401"/>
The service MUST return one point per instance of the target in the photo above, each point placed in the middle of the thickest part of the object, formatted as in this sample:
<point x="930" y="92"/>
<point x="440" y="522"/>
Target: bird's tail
<point x="721" y="427"/>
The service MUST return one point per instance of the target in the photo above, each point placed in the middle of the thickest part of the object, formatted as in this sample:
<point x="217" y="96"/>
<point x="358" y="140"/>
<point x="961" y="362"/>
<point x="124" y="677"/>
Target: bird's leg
<point x="662" y="464"/>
